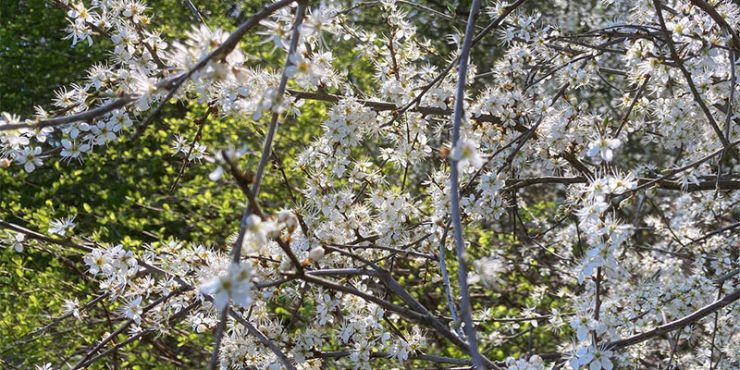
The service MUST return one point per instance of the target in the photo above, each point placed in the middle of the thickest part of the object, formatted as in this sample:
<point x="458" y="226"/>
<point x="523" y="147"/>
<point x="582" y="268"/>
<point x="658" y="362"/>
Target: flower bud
<point x="316" y="254"/>
<point x="288" y="220"/>
<point x="286" y="265"/>
<point x="253" y="222"/>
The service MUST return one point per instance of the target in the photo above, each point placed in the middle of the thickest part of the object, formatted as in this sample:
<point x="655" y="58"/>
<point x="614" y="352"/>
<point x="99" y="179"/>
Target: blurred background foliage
<point x="124" y="193"/>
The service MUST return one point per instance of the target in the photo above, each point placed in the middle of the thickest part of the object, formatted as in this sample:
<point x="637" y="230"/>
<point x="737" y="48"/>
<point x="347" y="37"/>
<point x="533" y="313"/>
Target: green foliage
<point x="34" y="58"/>
<point x="120" y="194"/>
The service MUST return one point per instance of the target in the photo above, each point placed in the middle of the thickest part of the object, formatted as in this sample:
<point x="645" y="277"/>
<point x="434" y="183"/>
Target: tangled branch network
<point x="619" y="117"/>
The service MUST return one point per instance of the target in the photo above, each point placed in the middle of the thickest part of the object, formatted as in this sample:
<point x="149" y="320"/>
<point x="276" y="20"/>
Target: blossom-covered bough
<point x="620" y="117"/>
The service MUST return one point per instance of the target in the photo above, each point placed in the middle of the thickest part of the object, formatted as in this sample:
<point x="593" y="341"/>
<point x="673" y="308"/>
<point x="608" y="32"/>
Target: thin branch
<point x="124" y="326"/>
<point x="712" y="12"/>
<point x="267" y="147"/>
<point x="418" y="356"/>
<point x="390" y="249"/>
<point x="632" y="104"/>
<point x="43" y="238"/>
<point x="462" y="273"/>
<point x="200" y="122"/>
<point x="381" y="106"/>
<point x="176" y="316"/>
<point x="715" y="232"/>
<point x="263" y="339"/>
<point x="490" y="27"/>
<point x="446" y="274"/>
<point x="643" y="182"/>
<point x="663" y="329"/>
<point x="196" y="12"/>
<point x="83" y="116"/>
<point x="419" y="314"/>
<point x="683" y="168"/>
<point x="30" y="336"/>
<point x="722" y="278"/>
<point x="172" y="84"/>
<point x="677" y="324"/>
<point x="687" y="75"/>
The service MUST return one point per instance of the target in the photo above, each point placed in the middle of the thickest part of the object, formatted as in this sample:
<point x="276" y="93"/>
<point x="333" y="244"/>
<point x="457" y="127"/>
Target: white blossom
<point x="233" y="285"/>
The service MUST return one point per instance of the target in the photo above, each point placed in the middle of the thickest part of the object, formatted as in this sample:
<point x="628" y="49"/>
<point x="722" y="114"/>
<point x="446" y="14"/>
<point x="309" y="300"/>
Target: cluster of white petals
<point x="588" y="163"/>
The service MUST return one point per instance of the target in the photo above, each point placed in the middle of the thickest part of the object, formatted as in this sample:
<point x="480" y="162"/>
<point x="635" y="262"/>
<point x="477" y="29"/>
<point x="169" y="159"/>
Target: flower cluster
<point x="115" y="265"/>
<point x="234" y="284"/>
<point x="597" y="182"/>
